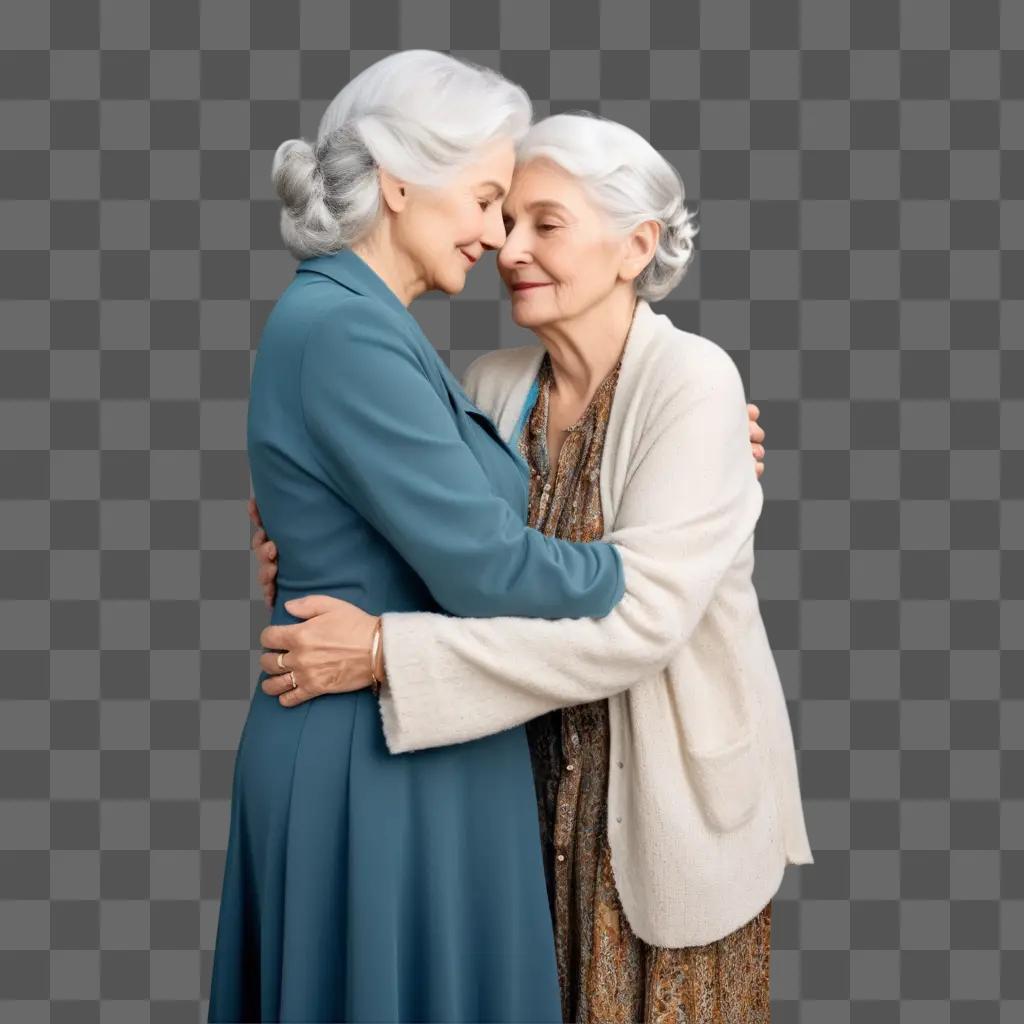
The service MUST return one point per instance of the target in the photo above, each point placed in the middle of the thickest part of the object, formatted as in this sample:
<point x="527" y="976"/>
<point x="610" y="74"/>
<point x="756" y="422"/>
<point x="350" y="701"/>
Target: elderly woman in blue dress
<point x="667" y="465"/>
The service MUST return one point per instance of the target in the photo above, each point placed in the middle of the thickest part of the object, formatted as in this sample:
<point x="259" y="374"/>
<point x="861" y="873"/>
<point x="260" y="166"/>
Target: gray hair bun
<point x="673" y="255"/>
<point x="308" y="224"/>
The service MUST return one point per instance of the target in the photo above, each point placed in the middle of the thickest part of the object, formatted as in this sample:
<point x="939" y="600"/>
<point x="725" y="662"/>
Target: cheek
<point x="441" y="238"/>
<point x="474" y="224"/>
<point x="427" y="232"/>
<point x="572" y="266"/>
<point x="592" y="268"/>
<point x="442" y="224"/>
<point x="462" y="225"/>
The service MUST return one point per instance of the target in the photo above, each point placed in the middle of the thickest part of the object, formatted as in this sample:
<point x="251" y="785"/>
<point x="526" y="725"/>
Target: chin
<point x="449" y="284"/>
<point x="523" y="316"/>
<point x="452" y="282"/>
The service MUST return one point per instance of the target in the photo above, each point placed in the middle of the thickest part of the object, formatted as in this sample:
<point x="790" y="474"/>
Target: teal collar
<point x="352" y="272"/>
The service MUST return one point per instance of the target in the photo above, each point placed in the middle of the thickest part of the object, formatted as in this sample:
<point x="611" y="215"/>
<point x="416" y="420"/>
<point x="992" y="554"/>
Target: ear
<point x="638" y="249"/>
<point x="394" y="191"/>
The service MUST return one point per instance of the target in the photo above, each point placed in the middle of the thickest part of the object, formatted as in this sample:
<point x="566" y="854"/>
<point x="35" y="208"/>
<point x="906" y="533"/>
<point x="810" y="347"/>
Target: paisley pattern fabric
<point x="608" y="975"/>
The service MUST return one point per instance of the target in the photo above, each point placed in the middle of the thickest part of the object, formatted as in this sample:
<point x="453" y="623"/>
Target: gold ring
<point x="280" y="661"/>
<point x="295" y="685"/>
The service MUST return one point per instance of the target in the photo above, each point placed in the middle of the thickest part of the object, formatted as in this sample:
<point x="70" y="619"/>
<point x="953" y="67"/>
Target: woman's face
<point x="561" y="256"/>
<point x="446" y="230"/>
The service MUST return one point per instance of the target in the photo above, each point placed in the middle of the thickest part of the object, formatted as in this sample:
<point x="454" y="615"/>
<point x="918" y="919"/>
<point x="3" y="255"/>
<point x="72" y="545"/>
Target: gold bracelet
<point x="375" y="683"/>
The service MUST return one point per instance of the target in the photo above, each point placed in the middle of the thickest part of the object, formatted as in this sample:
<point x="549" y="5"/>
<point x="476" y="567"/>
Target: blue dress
<point x="359" y="885"/>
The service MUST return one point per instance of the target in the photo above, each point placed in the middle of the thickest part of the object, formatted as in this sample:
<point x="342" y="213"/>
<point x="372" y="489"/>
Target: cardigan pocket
<point x="728" y="783"/>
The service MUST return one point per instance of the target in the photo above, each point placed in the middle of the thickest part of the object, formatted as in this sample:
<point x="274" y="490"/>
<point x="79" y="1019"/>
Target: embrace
<point x="519" y="749"/>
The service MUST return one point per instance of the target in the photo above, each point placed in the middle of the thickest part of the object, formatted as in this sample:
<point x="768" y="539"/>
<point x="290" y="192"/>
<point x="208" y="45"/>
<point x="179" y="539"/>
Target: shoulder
<point x="503" y="361"/>
<point x="683" y="369"/>
<point x="358" y="352"/>
<point x="684" y="355"/>
<point x="357" y="316"/>
<point x="499" y="369"/>
<point x="357" y="329"/>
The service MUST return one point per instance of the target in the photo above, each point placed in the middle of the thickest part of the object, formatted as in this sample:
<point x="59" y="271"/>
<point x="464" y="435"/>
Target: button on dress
<point x="608" y="975"/>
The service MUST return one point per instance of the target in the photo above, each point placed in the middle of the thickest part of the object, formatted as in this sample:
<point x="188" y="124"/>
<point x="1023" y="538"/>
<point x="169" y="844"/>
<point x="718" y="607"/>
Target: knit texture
<point x="704" y="807"/>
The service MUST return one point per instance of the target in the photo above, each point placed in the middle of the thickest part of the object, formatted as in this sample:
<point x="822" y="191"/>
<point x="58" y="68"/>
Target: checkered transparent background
<point x="858" y="174"/>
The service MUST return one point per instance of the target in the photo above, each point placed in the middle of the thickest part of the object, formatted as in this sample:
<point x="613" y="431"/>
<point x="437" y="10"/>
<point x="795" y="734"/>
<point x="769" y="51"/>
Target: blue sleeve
<point x="388" y="445"/>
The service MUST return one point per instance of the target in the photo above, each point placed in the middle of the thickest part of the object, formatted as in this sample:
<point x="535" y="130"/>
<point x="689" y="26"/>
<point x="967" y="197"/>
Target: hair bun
<point x="295" y="173"/>
<point x="679" y="228"/>
<point x="299" y="183"/>
<point x="299" y="154"/>
<point x="299" y="148"/>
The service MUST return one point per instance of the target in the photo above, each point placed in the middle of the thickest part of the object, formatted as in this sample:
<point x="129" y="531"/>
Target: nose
<point x="513" y="252"/>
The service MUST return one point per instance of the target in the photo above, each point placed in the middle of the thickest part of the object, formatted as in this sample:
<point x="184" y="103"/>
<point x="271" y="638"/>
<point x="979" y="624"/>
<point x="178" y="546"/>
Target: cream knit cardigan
<point x="704" y="807"/>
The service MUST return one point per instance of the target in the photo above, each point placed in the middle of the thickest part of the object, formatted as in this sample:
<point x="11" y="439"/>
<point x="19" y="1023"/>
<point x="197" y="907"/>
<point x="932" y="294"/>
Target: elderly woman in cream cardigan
<point x="624" y="421"/>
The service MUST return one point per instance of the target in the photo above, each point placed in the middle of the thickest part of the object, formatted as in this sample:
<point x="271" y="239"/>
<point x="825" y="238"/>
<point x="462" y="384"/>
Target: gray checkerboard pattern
<point x="858" y="173"/>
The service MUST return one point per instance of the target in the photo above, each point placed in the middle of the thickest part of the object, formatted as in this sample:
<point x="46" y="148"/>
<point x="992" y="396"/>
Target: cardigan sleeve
<point x="690" y="505"/>
<point x="387" y="442"/>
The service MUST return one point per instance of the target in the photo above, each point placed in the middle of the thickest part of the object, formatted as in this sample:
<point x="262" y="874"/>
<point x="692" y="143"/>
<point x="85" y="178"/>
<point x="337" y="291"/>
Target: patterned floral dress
<point x="607" y="974"/>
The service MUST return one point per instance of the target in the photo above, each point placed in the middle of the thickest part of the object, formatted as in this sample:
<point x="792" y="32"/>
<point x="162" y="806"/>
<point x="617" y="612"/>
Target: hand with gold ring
<point x="330" y="649"/>
<point x="284" y="668"/>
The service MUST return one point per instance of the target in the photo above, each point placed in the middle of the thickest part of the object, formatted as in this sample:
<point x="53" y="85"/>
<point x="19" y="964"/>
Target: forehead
<point x="541" y="178"/>
<point x="495" y="164"/>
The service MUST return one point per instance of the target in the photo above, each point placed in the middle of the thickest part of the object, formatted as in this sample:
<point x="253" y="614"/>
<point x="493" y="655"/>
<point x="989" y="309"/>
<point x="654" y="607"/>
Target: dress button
<point x="570" y="767"/>
<point x="561" y="857"/>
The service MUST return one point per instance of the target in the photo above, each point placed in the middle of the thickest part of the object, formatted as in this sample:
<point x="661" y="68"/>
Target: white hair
<point x="629" y="181"/>
<point x="418" y="114"/>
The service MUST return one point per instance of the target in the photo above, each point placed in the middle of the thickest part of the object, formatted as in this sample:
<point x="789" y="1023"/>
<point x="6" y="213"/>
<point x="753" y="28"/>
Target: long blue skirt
<point x="363" y="886"/>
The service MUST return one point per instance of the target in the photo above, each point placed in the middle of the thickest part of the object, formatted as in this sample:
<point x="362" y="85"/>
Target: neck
<point x="391" y="265"/>
<point x="584" y="349"/>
